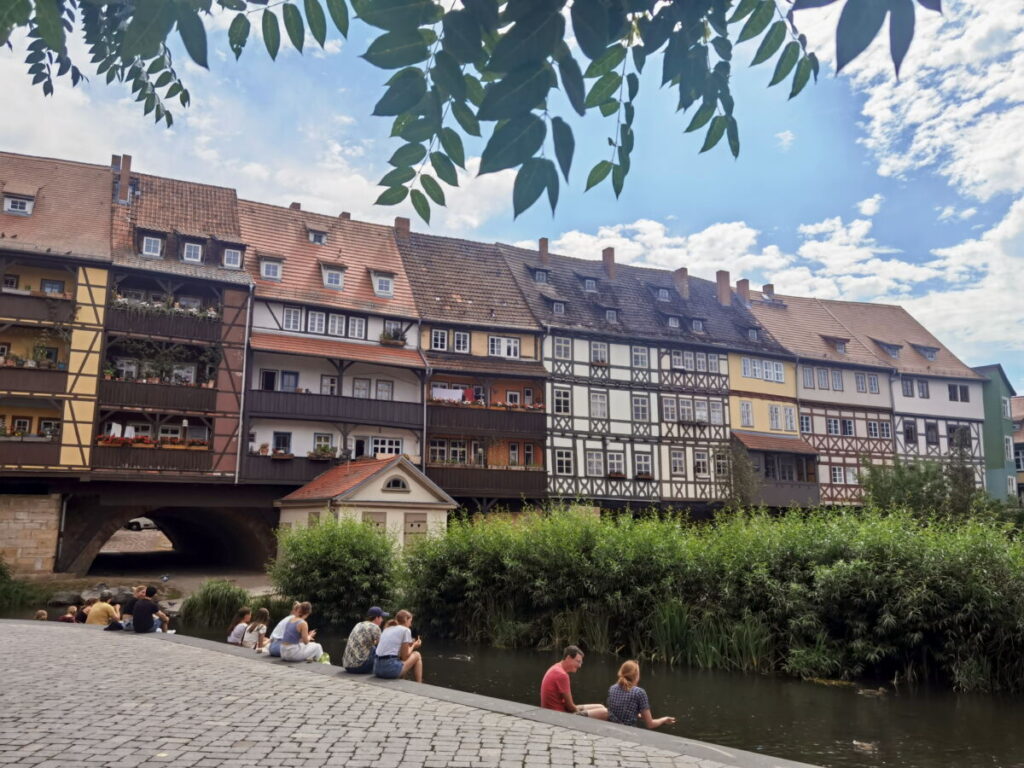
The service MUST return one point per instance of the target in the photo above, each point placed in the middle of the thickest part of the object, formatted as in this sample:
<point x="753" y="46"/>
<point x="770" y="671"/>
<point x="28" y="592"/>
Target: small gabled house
<point x="998" y="433"/>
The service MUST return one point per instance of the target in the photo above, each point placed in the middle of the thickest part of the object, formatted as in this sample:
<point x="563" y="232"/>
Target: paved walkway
<point x="74" y="695"/>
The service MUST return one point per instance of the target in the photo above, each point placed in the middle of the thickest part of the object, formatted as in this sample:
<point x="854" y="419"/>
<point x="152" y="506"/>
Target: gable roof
<point x="71" y="213"/>
<point x="342" y="481"/>
<point x="760" y="441"/>
<point x="994" y="370"/>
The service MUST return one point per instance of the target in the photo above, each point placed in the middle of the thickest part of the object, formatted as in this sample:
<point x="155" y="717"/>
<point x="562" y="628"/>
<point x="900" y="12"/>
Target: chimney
<point x="542" y="249"/>
<point x="768" y="291"/>
<point x="743" y="290"/>
<point x="608" y="255"/>
<point x="724" y="292"/>
<point x="296" y="206"/>
<point x="681" y="278"/>
<point x="345" y="216"/>
<point x="124" y="182"/>
<point x="402" y="227"/>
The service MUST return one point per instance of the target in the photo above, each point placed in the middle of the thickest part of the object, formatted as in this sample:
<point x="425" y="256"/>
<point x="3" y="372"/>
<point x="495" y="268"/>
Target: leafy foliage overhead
<point x="480" y="67"/>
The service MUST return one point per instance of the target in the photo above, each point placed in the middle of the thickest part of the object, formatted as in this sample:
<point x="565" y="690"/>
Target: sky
<point x="864" y="187"/>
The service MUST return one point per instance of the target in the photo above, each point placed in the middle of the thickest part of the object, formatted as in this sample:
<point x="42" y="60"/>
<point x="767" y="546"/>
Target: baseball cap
<point x="376" y="611"/>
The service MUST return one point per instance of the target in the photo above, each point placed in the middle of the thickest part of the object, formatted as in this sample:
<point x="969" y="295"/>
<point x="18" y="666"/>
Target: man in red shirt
<point x="555" y="692"/>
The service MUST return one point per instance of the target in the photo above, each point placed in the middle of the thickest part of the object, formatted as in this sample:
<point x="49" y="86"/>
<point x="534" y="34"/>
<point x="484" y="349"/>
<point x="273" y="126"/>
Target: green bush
<point x="15" y="593"/>
<point x="214" y="604"/>
<point x="342" y="567"/>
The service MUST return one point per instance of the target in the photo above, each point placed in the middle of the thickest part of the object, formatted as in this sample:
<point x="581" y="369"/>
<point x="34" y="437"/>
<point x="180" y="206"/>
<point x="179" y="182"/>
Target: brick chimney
<point x="743" y="291"/>
<point x="345" y="216"/>
<point x="724" y="292"/>
<point x="608" y="256"/>
<point x="296" y="206"/>
<point x="402" y="227"/>
<point x="123" y="165"/>
<point x="768" y="291"/>
<point x="681" y="277"/>
<point x="542" y="249"/>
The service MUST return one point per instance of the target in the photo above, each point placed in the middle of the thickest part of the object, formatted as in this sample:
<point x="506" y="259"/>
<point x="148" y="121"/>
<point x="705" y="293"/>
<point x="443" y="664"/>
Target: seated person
<point x="83" y="614"/>
<point x="556" y="693"/>
<point x="70" y="615"/>
<point x="147" y="616"/>
<point x="397" y="652"/>
<point x="239" y="624"/>
<point x="297" y="643"/>
<point x="628" y="703"/>
<point x="255" y="635"/>
<point x="278" y="633"/>
<point x="102" y="612"/>
<point x="362" y="640"/>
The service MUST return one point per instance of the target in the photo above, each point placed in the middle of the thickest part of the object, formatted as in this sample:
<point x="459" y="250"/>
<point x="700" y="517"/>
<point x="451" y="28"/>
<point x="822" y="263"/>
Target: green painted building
<point x="997" y="434"/>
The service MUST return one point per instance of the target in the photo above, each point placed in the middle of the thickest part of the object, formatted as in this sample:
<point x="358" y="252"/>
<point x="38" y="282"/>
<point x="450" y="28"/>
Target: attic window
<point x="396" y="484"/>
<point x="19" y="206"/>
<point x="892" y="350"/>
<point x="558" y="307"/>
<point x="540" y="276"/>
<point x="840" y="347"/>
<point x="232" y="258"/>
<point x="663" y="294"/>
<point x="333" y="278"/>
<point x="611" y="315"/>
<point x="752" y="334"/>
<point x="929" y="353"/>
<point x="697" y="325"/>
<point x="590" y="285"/>
<point x="317" y="237"/>
<point x="152" y="246"/>
<point x="673" y="322"/>
<point x="270" y="270"/>
<point x="383" y="285"/>
<point x="193" y="253"/>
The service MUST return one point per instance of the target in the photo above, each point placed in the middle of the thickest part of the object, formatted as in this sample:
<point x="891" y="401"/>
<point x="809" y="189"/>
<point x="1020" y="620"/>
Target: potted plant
<point x="109" y="372"/>
<point x="644" y="476"/>
<point x="143" y="441"/>
<point x="264" y="449"/>
<point x="197" y="444"/>
<point x="616" y="475"/>
<point x="393" y="338"/>
<point x="173" y="444"/>
<point x="279" y="454"/>
<point x="322" y="453"/>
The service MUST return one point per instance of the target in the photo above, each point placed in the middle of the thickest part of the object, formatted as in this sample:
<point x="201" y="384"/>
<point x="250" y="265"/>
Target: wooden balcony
<point x="42" y="381"/>
<point x="129" y="458"/>
<point x="28" y="452"/>
<point x="504" y="483"/>
<point x="177" y="326"/>
<point x="778" y="493"/>
<point x="472" y="420"/>
<point x="354" y="410"/>
<point x="164" y="396"/>
<point x="55" y="309"/>
<point x="294" y="471"/>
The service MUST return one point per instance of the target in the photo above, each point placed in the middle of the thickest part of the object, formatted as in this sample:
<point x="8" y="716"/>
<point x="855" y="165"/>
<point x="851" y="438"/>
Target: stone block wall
<point x="29" y="527"/>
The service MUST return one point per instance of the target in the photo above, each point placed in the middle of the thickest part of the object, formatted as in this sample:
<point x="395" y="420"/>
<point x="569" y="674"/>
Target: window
<point x="697" y="326"/>
<point x="852" y="476"/>
<point x="929" y="353"/>
<point x="774" y="417"/>
<point x="503" y="346"/>
<point x="393" y="329"/>
<point x="336" y="325"/>
<point x="789" y="418"/>
<point x="1008" y="448"/>
<point x="558" y="307"/>
<point x="52" y="287"/>
<point x="640" y="357"/>
<point x="231" y="258"/>
<point x="562" y="348"/>
<point x="49" y="427"/>
<point x="190" y="302"/>
<point x="512" y="397"/>
<point x="823" y="378"/>
<point x="437" y="452"/>
<point x="316" y="322"/>
<point x="847" y="425"/>
<point x="722" y="465"/>
<point x="832" y="426"/>
<point x="18" y="205"/>
<point x="599" y="352"/>
<point x="461" y="342"/>
<point x="1007" y="413"/>
<point x="909" y="432"/>
<point x="270" y="270"/>
<point x="746" y="414"/>
<point x="873" y="429"/>
<point x="841" y="347"/>
<point x="808" y="373"/>
<point x="357" y="327"/>
<point x="642" y="464"/>
<point x="268" y="380"/>
<point x="669" y="411"/>
<point x="861" y="381"/>
<point x="717" y="412"/>
<point x="713" y="363"/>
<point x="384" y="286"/>
<point x="292" y="319"/>
<point x="540" y="276"/>
<point x="563" y="461"/>
<point x="931" y="433"/>
<point x="702" y="361"/>
<point x="128" y="369"/>
<point x="513" y="454"/>
<point x="528" y="395"/>
<point x="590" y="285"/>
<point x="663" y="294"/>
<point x="388" y="445"/>
<point x="677" y="461"/>
<point x="641" y="408"/>
<point x="323" y="440"/>
<point x="457" y="451"/>
<point x="289" y="381"/>
<point x="385" y="389"/>
<point x="959" y="393"/>
<point x="922" y="389"/>
<point x="673" y="322"/>
<point x="616" y="463"/>
<point x="700" y="411"/>
<point x="885" y="429"/>
<point x="10" y="281"/>
<point x="328" y="385"/>
<point x="193" y="252"/>
<point x="317" y="238"/>
<point x="528" y="456"/>
<point x="563" y="401"/>
<point x="611" y="315"/>
<point x="595" y="464"/>
<point x="838" y="476"/>
<point x="599" y="405"/>
<point x="780" y="372"/>
<point x="805" y="423"/>
<point x="22" y="424"/>
<point x="183" y="373"/>
<point x="1011" y="485"/>
<point x="700" y="464"/>
<point x="396" y="484"/>
<point x="873" y="383"/>
<point x="282" y="442"/>
<point x="685" y="409"/>
<point x="361" y="388"/>
<point x="752" y="334"/>
<point x="757" y="368"/>
<point x="959" y="436"/>
<point x="908" y="387"/>
<point x="152" y="246"/>
<point x="439" y="340"/>
<point x="1018" y="458"/>
<point x="688" y="359"/>
<point x="892" y="350"/>
<point x="334" y="278"/>
<point x="5" y="348"/>
<point x="837" y="381"/>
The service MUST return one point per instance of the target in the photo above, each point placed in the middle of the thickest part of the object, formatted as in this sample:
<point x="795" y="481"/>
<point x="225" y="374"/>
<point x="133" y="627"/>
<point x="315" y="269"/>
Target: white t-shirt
<point x="278" y="633"/>
<point x="252" y="634"/>
<point x="236" y="634"/>
<point x="391" y="640"/>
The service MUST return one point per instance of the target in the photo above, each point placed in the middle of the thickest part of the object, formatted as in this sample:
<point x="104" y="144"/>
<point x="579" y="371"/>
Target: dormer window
<point x="929" y="353"/>
<point x="152" y="247"/>
<point x="193" y="253"/>
<point x="611" y="315"/>
<point x="697" y="325"/>
<point x="317" y="237"/>
<point x="334" y="278"/>
<point x="663" y="294"/>
<point x="558" y="307"/>
<point x="270" y="269"/>
<point x="232" y="258"/>
<point x="841" y="347"/>
<point x="752" y="334"/>
<point x="892" y="350"/>
<point x="673" y="322"/>
<point x="19" y="206"/>
<point x="540" y="276"/>
<point x="590" y="285"/>
<point x="396" y="484"/>
<point x="383" y="285"/>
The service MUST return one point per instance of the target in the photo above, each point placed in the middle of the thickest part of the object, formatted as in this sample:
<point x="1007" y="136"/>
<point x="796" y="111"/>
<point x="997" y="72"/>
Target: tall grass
<point x="214" y="604"/>
<point x="15" y="593"/>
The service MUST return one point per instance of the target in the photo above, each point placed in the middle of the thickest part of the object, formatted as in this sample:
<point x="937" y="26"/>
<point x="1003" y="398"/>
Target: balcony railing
<point x="129" y="458"/>
<point x="44" y="381"/>
<point x="167" y="396"/>
<point x="486" y="481"/>
<point x="331" y="407"/>
<point x="779" y="493"/>
<point x="28" y="452"/>
<point x="179" y="326"/>
<point x="56" y="309"/>
<point x="294" y="471"/>
<point x="474" y="420"/>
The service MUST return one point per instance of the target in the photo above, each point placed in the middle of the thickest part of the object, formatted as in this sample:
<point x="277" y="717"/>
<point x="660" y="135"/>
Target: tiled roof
<point x="459" y="281"/>
<point x="640" y="315"/>
<point x="71" y="215"/>
<point x="1017" y="407"/>
<point x="357" y="246"/>
<point x="186" y="207"/>
<point x="758" y="441"/>
<point x="805" y="327"/>
<point x="891" y="324"/>
<point x="441" y="361"/>
<point x="183" y="269"/>
<point x="341" y="350"/>
<point x="340" y="479"/>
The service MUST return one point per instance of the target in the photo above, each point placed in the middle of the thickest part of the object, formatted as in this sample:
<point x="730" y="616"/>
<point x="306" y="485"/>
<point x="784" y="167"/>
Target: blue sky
<point x="862" y="188"/>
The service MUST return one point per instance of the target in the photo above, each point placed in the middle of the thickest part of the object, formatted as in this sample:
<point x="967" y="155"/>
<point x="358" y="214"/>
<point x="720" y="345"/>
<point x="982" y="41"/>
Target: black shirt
<point x="142" y="614"/>
<point x="129" y="605"/>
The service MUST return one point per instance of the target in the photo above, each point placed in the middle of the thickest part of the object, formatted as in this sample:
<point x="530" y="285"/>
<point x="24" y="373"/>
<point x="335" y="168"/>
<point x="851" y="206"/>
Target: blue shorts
<point x="363" y="669"/>
<point x="389" y="667"/>
<point x="275" y="648"/>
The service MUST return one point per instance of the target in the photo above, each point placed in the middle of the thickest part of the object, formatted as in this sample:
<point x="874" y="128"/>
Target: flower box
<point x="647" y="476"/>
<point x="280" y="456"/>
<point x="393" y="342"/>
<point x="169" y="447"/>
<point x="616" y="475"/>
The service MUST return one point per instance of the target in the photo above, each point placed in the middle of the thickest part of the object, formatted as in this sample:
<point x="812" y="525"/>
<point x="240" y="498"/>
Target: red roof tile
<point x="343" y="350"/>
<point x="340" y="479"/>
<point x="758" y="441"/>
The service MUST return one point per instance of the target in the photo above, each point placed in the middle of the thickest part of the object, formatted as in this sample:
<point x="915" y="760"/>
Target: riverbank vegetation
<point x="15" y="593"/>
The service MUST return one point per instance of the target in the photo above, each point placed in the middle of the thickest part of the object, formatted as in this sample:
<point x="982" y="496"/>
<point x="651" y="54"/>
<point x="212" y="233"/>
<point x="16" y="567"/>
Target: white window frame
<point x="334" y="272"/>
<point x="663" y="294"/>
<point x="270" y="269"/>
<point x="357" y="327"/>
<point x="231" y="258"/>
<point x="808" y="374"/>
<point x="923" y="390"/>
<point x="192" y="253"/>
<point x="561" y="401"/>
<point x="335" y="325"/>
<point x="838" y="475"/>
<point x="848" y="427"/>
<point x="291" y="319"/>
<point x="317" y="237"/>
<point x="503" y="346"/>
<point x="643" y="463"/>
<point x="640" y="408"/>
<point x="837" y="380"/>
<point x="824" y="380"/>
<point x="885" y="429"/>
<point x="590" y="285"/>
<point x="1007" y="411"/>
<point x="669" y="408"/>
<point x="717" y="412"/>
<point x="561" y="348"/>
<point x="861" y="382"/>
<point x="1008" y="448"/>
<point x="540" y="276"/>
<point x="361" y="388"/>
<point x="746" y="413"/>
<point x="384" y="286"/>
<point x="697" y="326"/>
<point x="391" y="445"/>
<point x="599" y="352"/>
<point x="700" y="411"/>
<point x="702" y="362"/>
<point x="384" y="389"/>
<point x="673" y="321"/>
<point x="558" y="307"/>
<point x="616" y="462"/>
<point x="640" y="357"/>
<point x="873" y="430"/>
<point x="563" y="461"/>
<point x="147" y="242"/>
<point x="701" y="464"/>
<point x="19" y="206"/>
<point x="677" y="462"/>
<point x="832" y="426"/>
<point x="853" y="476"/>
<point x="774" y="417"/>
<point x="439" y="339"/>
<point x="873" y="383"/>
<point x="460" y="342"/>
<point x="595" y="463"/>
<point x="757" y="368"/>
<point x="598" y="404"/>
<point x="789" y="418"/>
<point x="686" y="409"/>
<point x="316" y="321"/>
<point x="805" y="424"/>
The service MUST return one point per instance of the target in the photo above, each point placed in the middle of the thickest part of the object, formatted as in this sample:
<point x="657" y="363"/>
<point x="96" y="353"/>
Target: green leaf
<point x="444" y="168"/>
<point x="858" y="24"/>
<point x="13" y="13"/>
<point x="465" y="117"/>
<point x="531" y="181"/>
<point x="532" y="39"/>
<point x="758" y="20"/>
<point x="149" y="27"/>
<point x="392" y="196"/>
<point x="271" y="33"/>
<point x="447" y="75"/>
<point x="598" y="173"/>
<point x="572" y="83"/>
<point x="723" y="48"/>
<point x="397" y="15"/>
<point x="786" y="62"/>
<point x="238" y="33"/>
<point x="610" y="107"/>
<point x="397" y="49"/>
<point x="163" y="80"/>
<point x="803" y="74"/>
<point x="742" y="10"/>
<point x="419" y="129"/>
<point x="451" y="143"/>
<point x="48" y="22"/>
<point x="608" y="61"/>
<point x="462" y="36"/>
<point x="316" y="20"/>
<point x="732" y="132"/>
<point x="603" y="89"/>
<point x="770" y="43"/>
<point x="397" y="176"/>
<point x="516" y="93"/>
<point x="552" y="184"/>
<point x="408" y="154"/>
<point x="618" y="179"/>
<point x="474" y="90"/>
<point x="632" y="85"/>
<point x="405" y="90"/>
<point x="715" y="132"/>
<point x="432" y="188"/>
<point x="339" y="15"/>
<point x="419" y="202"/>
<point x="590" y="27"/>
<point x="193" y="34"/>
<point x="565" y="144"/>
<point x="513" y="143"/>
<point x="293" y="25"/>
<point x="701" y="116"/>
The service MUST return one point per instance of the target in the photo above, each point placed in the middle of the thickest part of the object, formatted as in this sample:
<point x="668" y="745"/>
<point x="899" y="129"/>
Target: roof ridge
<point x="79" y="163"/>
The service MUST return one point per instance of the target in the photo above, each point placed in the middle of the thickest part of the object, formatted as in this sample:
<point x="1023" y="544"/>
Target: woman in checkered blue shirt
<point x="627" y="701"/>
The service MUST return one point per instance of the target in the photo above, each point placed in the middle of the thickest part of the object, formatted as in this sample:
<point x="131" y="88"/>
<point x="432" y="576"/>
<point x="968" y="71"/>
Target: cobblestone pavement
<point x="137" y="541"/>
<point x="74" y="695"/>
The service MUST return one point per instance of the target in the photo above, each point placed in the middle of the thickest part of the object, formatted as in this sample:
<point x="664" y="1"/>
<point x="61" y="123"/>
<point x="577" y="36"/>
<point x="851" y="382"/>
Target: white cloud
<point x="785" y="140"/>
<point x="871" y="206"/>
